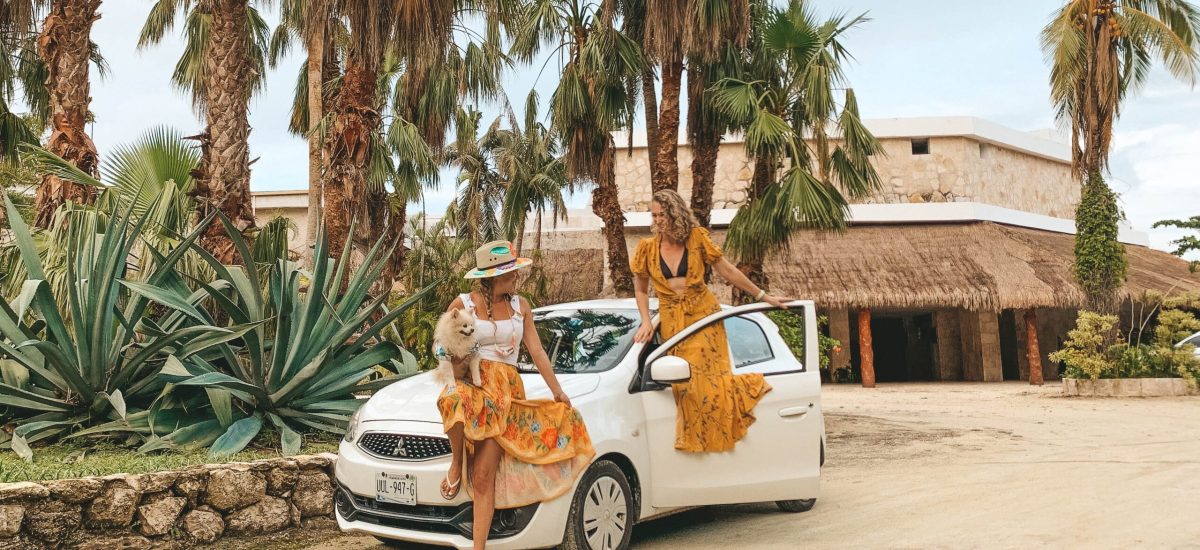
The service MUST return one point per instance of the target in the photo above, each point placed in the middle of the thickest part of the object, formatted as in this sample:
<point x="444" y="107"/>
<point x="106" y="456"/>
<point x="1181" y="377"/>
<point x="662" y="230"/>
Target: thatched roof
<point x="979" y="266"/>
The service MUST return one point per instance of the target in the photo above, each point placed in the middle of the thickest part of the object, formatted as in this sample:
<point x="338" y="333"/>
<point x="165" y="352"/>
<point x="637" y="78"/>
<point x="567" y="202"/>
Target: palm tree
<point x="591" y="101"/>
<point x="20" y="69"/>
<point x="65" y="48"/>
<point x="480" y="186"/>
<point x="418" y="34"/>
<point x="706" y="126"/>
<point x="702" y="34"/>
<point x="222" y="67"/>
<point x="1101" y="51"/>
<point x="535" y="176"/>
<point x="791" y="76"/>
<point x="312" y="23"/>
<point x="413" y="30"/>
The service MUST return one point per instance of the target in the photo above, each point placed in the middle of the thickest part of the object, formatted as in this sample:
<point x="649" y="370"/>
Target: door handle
<point x="793" y="411"/>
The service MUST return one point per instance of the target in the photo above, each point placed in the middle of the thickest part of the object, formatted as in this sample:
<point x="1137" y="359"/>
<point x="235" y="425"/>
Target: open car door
<point x="779" y="459"/>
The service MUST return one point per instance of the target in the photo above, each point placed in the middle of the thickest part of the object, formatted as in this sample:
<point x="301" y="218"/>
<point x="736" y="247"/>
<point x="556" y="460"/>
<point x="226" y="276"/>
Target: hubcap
<point x="605" y="516"/>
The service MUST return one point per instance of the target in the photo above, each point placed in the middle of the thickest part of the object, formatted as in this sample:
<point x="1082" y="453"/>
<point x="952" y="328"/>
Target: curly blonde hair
<point x="680" y="219"/>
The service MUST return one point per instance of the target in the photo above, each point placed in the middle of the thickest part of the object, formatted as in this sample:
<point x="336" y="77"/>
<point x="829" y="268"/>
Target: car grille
<point x="431" y="519"/>
<point x="404" y="447"/>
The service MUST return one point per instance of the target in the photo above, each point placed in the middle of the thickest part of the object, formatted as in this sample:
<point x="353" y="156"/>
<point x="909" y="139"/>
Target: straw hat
<point x="494" y="259"/>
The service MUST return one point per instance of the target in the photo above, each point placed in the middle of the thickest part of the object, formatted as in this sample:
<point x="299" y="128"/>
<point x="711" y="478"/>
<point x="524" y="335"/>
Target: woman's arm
<point x="641" y="289"/>
<point x="739" y="280"/>
<point x="533" y="344"/>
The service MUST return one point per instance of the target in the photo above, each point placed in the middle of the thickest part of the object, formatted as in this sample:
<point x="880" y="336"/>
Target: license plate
<point x="395" y="488"/>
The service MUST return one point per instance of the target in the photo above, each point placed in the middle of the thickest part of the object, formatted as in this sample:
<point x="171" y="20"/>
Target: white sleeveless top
<point x="499" y="340"/>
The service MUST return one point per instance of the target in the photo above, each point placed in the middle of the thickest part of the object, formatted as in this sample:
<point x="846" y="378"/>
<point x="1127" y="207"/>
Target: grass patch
<point x="70" y="461"/>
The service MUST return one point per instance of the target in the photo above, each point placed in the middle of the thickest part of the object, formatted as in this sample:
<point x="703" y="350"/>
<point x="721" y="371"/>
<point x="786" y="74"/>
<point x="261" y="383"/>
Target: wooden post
<point x="865" y="351"/>
<point x="1035" y="355"/>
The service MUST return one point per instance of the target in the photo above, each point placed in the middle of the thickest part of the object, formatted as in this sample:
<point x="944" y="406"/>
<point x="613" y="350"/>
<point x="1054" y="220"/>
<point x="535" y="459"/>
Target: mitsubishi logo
<point x="399" y="449"/>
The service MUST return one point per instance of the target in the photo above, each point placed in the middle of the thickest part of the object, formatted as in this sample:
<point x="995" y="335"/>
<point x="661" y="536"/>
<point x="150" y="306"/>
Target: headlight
<point x="352" y="427"/>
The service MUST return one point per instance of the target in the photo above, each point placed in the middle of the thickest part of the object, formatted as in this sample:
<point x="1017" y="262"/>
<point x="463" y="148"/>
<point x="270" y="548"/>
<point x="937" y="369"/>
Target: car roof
<point x="611" y="303"/>
<point x="614" y="303"/>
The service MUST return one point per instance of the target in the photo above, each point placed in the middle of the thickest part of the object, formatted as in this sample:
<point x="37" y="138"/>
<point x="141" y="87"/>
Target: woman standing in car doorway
<point x="715" y="407"/>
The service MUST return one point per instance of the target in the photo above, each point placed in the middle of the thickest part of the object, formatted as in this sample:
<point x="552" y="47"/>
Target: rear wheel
<point x="602" y="511"/>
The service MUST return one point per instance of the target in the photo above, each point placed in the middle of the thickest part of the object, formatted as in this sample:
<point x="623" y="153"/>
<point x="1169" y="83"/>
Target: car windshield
<point x="583" y="340"/>
<point x="1193" y="340"/>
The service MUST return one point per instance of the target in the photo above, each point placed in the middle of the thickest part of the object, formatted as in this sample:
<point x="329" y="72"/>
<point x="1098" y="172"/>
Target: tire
<point x="796" y="506"/>
<point x="603" y="499"/>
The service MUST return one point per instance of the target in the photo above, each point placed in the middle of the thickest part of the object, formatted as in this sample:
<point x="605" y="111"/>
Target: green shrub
<point x="1087" y="349"/>
<point x="1093" y="352"/>
<point x="1100" y="262"/>
<point x="791" y="328"/>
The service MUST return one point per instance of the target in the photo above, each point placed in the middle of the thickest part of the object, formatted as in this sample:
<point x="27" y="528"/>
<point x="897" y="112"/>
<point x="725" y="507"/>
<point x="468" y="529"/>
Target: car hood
<point x="415" y="398"/>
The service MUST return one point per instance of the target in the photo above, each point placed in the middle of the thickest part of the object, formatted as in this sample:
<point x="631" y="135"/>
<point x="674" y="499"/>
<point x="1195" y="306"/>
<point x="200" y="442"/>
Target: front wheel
<point x="796" y="506"/>
<point x="602" y="512"/>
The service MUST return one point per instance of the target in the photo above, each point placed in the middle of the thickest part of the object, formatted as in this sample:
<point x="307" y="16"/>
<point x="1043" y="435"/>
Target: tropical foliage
<point x="90" y="365"/>
<point x="1095" y="349"/>
<point x="304" y="357"/>
<point x="117" y="324"/>
<point x="787" y="90"/>
<point x="1101" y="53"/>
<point x="1185" y="244"/>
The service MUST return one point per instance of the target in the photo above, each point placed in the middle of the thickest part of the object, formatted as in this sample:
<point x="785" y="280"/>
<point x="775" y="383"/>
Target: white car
<point x="395" y="454"/>
<point x="1194" y="340"/>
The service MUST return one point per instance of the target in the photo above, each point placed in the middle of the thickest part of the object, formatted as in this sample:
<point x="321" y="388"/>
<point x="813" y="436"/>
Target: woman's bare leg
<point x="454" y="475"/>
<point x="483" y="484"/>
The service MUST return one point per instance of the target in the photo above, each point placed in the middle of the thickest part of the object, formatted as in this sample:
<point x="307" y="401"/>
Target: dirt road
<point x="973" y="466"/>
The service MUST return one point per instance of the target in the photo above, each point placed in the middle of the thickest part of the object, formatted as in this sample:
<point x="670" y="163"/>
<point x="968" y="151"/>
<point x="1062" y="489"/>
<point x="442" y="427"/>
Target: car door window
<point x="748" y="344"/>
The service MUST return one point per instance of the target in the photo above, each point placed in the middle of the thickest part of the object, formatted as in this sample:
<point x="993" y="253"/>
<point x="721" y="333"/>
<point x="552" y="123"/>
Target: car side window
<point x="748" y="344"/>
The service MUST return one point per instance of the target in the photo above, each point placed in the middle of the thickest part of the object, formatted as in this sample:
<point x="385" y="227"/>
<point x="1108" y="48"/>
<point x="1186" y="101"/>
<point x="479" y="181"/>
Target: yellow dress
<point x="545" y="443"/>
<point x="715" y="407"/>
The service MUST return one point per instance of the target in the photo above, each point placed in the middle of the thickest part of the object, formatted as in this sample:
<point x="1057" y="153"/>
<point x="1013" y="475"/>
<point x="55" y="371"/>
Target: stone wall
<point x="957" y="169"/>
<point x="195" y="505"/>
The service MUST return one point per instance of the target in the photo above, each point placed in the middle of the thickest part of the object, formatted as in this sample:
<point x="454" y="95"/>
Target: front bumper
<point x="432" y="520"/>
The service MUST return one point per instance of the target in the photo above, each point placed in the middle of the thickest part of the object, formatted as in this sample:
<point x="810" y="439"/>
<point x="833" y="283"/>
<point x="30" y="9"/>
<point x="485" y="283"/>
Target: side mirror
<point x="670" y="369"/>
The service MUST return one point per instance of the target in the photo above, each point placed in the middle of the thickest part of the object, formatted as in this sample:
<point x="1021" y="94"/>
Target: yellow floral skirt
<point x="545" y="443"/>
<point x="716" y="407"/>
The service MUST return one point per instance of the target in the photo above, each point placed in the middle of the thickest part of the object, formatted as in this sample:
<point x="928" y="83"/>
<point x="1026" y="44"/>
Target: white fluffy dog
<point x="455" y="338"/>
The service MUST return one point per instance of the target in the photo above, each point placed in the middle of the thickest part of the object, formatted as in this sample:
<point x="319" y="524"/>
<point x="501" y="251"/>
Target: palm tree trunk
<point x="65" y="48"/>
<point x="316" y="96"/>
<point x="650" y="99"/>
<point x="348" y="150"/>
<point x="381" y="223"/>
<point x="223" y="176"/>
<point x="706" y="143"/>
<point x="667" y="161"/>
<point x="399" y="223"/>
<point x="519" y="237"/>
<point x="606" y="205"/>
<point x="537" y="233"/>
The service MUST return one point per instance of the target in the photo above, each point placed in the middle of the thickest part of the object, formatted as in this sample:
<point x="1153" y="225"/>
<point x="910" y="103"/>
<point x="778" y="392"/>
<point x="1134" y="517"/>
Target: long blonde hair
<point x="680" y="219"/>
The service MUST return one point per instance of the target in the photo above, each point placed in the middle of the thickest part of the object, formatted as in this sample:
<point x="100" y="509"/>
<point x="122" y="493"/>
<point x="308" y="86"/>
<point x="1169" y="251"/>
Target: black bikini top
<point x="683" y="265"/>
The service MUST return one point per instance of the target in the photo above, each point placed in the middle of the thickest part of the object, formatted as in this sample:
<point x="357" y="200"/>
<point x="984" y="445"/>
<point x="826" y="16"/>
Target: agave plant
<point x="150" y="177"/>
<point x="310" y="353"/>
<point x="101" y="360"/>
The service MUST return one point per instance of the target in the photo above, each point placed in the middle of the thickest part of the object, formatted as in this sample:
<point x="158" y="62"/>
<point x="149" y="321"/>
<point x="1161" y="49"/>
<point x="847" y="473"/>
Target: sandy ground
<point x="972" y="466"/>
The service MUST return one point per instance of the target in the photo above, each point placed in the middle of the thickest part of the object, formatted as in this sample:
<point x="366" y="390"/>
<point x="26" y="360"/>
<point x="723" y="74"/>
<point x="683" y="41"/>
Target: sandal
<point x="452" y="492"/>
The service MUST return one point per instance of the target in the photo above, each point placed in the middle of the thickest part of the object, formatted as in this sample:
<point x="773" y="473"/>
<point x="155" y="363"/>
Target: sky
<point x="913" y="58"/>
